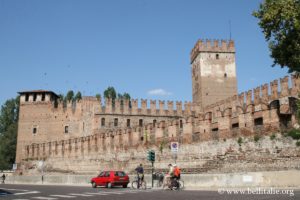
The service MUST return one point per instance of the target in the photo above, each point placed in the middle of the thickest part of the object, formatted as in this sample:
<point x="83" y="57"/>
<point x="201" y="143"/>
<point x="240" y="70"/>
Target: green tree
<point x="98" y="96"/>
<point x="126" y="96"/>
<point x="8" y="132"/>
<point x="69" y="96"/>
<point x="280" y="23"/>
<point x="110" y="93"/>
<point x="61" y="97"/>
<point x="78" y="96"/>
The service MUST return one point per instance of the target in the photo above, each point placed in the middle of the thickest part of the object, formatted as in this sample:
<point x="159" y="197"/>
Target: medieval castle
<point x="87" y="135"/>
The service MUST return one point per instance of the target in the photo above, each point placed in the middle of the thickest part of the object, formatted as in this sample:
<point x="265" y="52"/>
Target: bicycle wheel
<point x="134" y="184"/>
<point x="143" y="185"/>
<point x="166" y="184"/>
<point x="181" y="184"/>
<point x="159" y="183"/>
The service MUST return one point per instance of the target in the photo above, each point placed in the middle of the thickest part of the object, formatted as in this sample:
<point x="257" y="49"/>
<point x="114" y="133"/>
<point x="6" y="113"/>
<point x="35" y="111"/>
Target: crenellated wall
<point x="212" y="46"/>
<point x="255" y="112"/>
<point x="155" y="108"/>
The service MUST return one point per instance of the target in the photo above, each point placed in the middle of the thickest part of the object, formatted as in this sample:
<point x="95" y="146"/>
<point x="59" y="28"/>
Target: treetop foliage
<point x="280" y="23"/>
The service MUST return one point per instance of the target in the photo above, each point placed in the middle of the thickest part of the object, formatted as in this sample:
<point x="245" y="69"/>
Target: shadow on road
<point x="4" y="192"/>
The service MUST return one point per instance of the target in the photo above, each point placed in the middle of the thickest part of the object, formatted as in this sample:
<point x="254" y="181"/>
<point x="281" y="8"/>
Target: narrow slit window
<point x="140" y="122"/>
<point x="128" y="122"/>
<point x="34" y="130"/>
<point x="66" y="129"/>
<point x="103" y="122"/>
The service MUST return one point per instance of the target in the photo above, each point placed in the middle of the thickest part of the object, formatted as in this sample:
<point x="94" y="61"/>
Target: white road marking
<point x="63" y="196"/>
<point x="30" y="192"/>
<point x="99" y="193"/>
<point x="112" y="192"/>
<point x="46" y="198"/>
<point x="20" y="199"/>
<point x="82" y="195"/>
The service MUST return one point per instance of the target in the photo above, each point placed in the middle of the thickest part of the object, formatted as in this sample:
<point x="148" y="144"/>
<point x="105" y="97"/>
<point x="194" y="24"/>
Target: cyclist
<point x="177" y="173"/>
<point x="140" y="174"/>
<point x="169" y="176"/>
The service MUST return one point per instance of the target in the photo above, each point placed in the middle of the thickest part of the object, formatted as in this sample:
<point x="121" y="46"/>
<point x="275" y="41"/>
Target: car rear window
<point x="120" y="173"/>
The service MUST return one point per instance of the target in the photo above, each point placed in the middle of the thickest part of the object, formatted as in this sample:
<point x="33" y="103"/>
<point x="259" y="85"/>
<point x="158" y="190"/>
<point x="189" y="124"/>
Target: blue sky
<point x="138" y="46"/>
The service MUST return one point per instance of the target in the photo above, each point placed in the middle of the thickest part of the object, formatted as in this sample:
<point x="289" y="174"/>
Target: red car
<point x="110" y="179"/>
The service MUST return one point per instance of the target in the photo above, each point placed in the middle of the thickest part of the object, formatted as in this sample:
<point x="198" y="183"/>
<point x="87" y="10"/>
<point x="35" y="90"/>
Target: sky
<point x="141" y="47"/>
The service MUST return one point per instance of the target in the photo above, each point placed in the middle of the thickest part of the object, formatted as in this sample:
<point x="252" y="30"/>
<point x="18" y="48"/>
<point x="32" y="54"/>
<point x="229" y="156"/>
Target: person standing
<point x="140" y="174"/>
<point x="3" y="178"/>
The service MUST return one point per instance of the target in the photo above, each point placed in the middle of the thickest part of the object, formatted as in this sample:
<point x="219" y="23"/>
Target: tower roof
<point x="39" y="92"/>
<point x="223" y="46"/>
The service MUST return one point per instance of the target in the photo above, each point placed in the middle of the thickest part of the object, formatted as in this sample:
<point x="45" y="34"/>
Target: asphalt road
<point x="43" y="192"/>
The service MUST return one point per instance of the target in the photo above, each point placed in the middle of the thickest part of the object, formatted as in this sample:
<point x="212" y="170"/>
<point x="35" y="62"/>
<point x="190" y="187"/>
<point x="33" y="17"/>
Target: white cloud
<point x="159" y="92"/>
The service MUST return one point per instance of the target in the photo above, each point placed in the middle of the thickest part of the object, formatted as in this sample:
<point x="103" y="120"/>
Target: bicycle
<point x="174" y="185"/>
<point x="142" y="183"/>
<point x="159" y="177"/>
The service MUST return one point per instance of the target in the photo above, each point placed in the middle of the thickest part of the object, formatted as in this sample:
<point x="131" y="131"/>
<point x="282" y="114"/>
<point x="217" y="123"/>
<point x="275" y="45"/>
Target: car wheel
<point x="94" y="185"/>
<point x="109" y="185"/>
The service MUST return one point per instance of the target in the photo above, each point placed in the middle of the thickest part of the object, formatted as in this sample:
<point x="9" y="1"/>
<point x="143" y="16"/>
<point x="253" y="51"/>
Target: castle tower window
<point x="258" y="121"/>
<point x="140" y="122"/>
<point x="180" y="124"/>
<point x="235" y="125"/>
<point x="103" y="122"/>
<point x="34" y="130"/>
<point x="34" y="97"/>
<point x="128" y="122"/>
<point x="217" y="56"/>
<point x="154" y="122"/>
<point x="43" y="97"/>
<point x="66" y="129"/>
<point x="27" y="97"/>
<point x="116" y="122"/>
<point x="225" y="75"/>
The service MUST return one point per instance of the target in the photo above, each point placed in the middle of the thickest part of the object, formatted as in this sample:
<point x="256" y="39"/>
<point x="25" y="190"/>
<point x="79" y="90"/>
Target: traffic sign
<point x="174" y="146"/>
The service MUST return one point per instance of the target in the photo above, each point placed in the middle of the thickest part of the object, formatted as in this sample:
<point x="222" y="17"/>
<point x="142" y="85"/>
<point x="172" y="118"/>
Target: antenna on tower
<point x="229" y="29"/>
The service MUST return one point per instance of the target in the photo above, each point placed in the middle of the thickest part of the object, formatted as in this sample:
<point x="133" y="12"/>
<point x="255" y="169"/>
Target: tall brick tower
<point x="213" y="71"/>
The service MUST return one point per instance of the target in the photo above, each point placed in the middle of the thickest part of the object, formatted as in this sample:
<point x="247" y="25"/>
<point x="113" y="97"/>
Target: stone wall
<point x="215" y="156"/>
<point x="91" y="147"/>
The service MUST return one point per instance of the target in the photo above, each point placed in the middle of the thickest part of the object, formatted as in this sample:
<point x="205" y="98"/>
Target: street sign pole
<point x="174" y="149"/>
<point x="152" y="172"/>
<point x="175" y="156"/>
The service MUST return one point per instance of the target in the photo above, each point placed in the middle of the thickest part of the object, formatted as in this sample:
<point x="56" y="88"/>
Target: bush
<point x="295" y="134"/>
<point x="256" y="138"/>
<point x="273" y="136"/>
<point x="240" y="141"/>
<point x="298" y="143"/>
